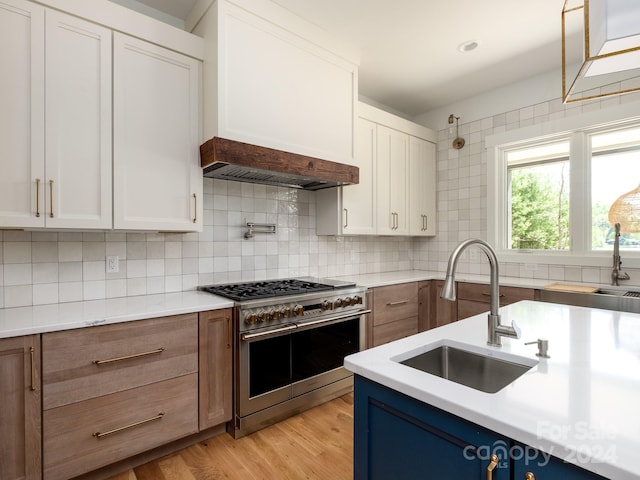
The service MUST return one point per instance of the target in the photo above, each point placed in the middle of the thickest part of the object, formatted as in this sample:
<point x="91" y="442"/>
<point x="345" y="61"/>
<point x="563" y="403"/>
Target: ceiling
<point x="409" y="48"/>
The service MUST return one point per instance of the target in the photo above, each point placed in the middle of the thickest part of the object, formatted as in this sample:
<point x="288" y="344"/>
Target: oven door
<point x="264" y="368"/>
<point x="318" y="349"/>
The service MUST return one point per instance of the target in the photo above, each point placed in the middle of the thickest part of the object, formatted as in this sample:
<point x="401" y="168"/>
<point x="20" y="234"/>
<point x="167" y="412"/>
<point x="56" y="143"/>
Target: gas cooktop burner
<point x="269" y="288"/>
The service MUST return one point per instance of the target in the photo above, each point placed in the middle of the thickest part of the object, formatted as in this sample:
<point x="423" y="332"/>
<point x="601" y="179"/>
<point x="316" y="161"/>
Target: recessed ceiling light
<point x="468" y="46"/>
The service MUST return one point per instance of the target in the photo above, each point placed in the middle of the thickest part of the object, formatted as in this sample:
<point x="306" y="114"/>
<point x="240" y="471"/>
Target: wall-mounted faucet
<point x="617" y="274"/>
<point x="495" y="329"/>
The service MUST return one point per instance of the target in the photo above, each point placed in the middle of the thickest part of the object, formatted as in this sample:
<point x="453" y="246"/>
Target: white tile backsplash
<point x="49" y="267"/>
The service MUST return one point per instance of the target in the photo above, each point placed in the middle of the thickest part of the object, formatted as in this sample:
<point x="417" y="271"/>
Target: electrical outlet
<point x="530" y="267"/>
<point x="113" y="264"/>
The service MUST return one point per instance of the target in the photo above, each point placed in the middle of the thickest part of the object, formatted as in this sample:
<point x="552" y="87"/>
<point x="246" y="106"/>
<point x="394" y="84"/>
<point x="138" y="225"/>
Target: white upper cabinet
<point x="397" y="190"/>
<point x="392" y="172"/>
<point x="422" y="187"/>
<point x="351" y="210"/>
<point x="157" y="174"/>
<point x="274" y="80"/>
<point x="77" y="178"/>
<point x="21" y="114"/>
<point x="55" y="124"/>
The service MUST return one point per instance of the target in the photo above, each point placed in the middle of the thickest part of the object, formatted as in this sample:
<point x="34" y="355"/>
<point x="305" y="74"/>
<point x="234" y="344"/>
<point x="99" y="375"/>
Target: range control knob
<point x="251" y="319"/>
<point x="348" y="301"/>
<point x="275" y="314"/>
<point x="327" y="305"/>
<point x="338" y="303"/>
<point x="298" y="310"/>
<point x="263" y="317"/>
<point x="357" y="300"/>
<point x="286" y="312"/>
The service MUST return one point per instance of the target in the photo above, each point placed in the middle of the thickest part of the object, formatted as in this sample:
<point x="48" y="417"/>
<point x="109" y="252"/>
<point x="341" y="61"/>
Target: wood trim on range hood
<point x="242" y="162"/>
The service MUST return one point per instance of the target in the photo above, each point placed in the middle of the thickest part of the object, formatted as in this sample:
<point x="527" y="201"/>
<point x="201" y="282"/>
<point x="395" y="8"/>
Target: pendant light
<point x="607" y="33"/>
<point x="626" y="211"/>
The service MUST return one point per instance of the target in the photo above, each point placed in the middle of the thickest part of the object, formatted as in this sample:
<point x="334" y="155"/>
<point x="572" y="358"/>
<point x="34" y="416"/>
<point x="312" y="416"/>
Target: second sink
<point x="476" y="370"/>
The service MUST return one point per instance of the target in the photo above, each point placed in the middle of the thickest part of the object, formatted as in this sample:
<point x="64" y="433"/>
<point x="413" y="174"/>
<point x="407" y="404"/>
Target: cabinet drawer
<point x="395" y="302"/>
<point x="391" y="331"/>
<point x="134" y="354"/>
<point x="129" y="422"/>
<point x="482" y="293"/>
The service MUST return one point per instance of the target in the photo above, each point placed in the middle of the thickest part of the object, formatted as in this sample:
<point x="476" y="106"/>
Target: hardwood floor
<point x="315" y="445"/>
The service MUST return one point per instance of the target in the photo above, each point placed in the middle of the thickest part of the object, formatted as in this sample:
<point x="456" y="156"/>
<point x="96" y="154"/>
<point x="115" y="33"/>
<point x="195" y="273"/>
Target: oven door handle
<point x="333" y="319"/>
<point x="250" y="336"/>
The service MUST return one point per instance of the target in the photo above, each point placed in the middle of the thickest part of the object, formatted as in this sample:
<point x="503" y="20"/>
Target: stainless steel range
<point x="291" y="337"/>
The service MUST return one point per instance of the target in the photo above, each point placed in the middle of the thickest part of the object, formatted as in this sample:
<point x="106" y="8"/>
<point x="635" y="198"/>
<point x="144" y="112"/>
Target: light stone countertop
<point x="580" y="405"/>
<point x="19" y="321"/>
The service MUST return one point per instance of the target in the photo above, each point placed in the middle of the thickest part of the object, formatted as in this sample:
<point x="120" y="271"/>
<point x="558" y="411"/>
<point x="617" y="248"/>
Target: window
<point x="549" y="194"/>
<point x="615" y="170"/>
<point x="538" y="197"/>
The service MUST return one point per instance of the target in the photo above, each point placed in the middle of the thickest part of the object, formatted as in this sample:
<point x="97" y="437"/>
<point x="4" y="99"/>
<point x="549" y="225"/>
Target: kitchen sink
<point x="614" y="298"/>
<point x="482" y="371"/>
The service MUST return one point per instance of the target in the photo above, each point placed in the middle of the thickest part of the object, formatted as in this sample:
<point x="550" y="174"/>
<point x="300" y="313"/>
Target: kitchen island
<point x="579" y="406"/>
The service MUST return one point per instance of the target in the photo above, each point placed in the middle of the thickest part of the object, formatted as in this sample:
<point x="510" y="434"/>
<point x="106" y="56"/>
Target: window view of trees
<point x="540" y="206"/>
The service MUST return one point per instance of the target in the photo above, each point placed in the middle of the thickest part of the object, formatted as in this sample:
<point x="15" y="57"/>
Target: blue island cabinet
<point x="397" y="437"/>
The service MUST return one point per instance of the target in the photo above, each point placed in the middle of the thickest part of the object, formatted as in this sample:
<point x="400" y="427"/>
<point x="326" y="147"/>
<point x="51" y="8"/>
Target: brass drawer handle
<point x="529" y="476"/>
<point x="492" y="466"/>
<point x="32" y="351"/>
<point x="488" y="295"/>
<point x="119" y="429"/>
<point x="128" y="357"/>
<point x="38" y="197"/>
<point x="195" y="208"/>
<point x="346" y="217"/>
<point x="391" y="304"/>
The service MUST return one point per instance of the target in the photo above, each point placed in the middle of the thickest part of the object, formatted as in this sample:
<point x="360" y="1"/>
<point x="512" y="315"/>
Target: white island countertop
<point x="580" y="405"/>
<point x="64" y="316"/>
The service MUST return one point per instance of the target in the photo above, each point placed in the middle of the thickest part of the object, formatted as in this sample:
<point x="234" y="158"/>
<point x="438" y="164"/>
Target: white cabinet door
<point x="21" y="114"/>
<point x="157" y="174"/>
<point x="422" y="187"/>
<point x="392" y="181"/>
<point x="359" y="201"/>
<point x="77" y="181"/>
<point x="352" y="210"/>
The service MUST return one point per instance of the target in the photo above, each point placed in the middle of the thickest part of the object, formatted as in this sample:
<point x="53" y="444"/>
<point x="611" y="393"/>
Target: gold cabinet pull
<point x="38" y="197"/>
<point x="492" y="465"/>
<point x="346" y="217"/>
<point x="32" y="352"/>
<point x="195" y="208"/>
<point x="529" y="476"/>
<point x="230" y="337"/>
<point x="51" y="198"/>
<point x="131" y="425"/>
<point x="401" y="302"/>
<point x="128" y="357"/>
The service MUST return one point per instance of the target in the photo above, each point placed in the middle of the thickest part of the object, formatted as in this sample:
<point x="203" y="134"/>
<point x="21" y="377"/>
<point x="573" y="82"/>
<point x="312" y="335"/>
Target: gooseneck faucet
<point x="617" y="274"/>
<point x="495" y="329"/>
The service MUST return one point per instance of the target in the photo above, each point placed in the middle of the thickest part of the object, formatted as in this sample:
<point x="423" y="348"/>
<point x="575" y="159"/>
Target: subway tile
<point x="18" y="296"/>
<point x="16" y="252"/>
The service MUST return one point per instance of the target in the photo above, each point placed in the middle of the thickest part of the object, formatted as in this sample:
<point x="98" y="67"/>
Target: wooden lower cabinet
<point x="441" y="312"/>
<point x="475" y="298"/>
<point x="20" y="409"/>
<point x="87" y="435"/>
<point x="112" y="391"/>
<point x="215" y="367"/>
<point x="395" y="312"/>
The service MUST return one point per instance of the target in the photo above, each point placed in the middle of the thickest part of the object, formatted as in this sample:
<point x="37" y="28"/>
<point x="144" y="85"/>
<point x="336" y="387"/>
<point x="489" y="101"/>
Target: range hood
<point x="242" y="162"/>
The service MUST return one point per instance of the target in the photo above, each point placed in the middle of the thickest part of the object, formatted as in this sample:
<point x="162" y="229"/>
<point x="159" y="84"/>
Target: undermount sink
<point x="482" y="371"/>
